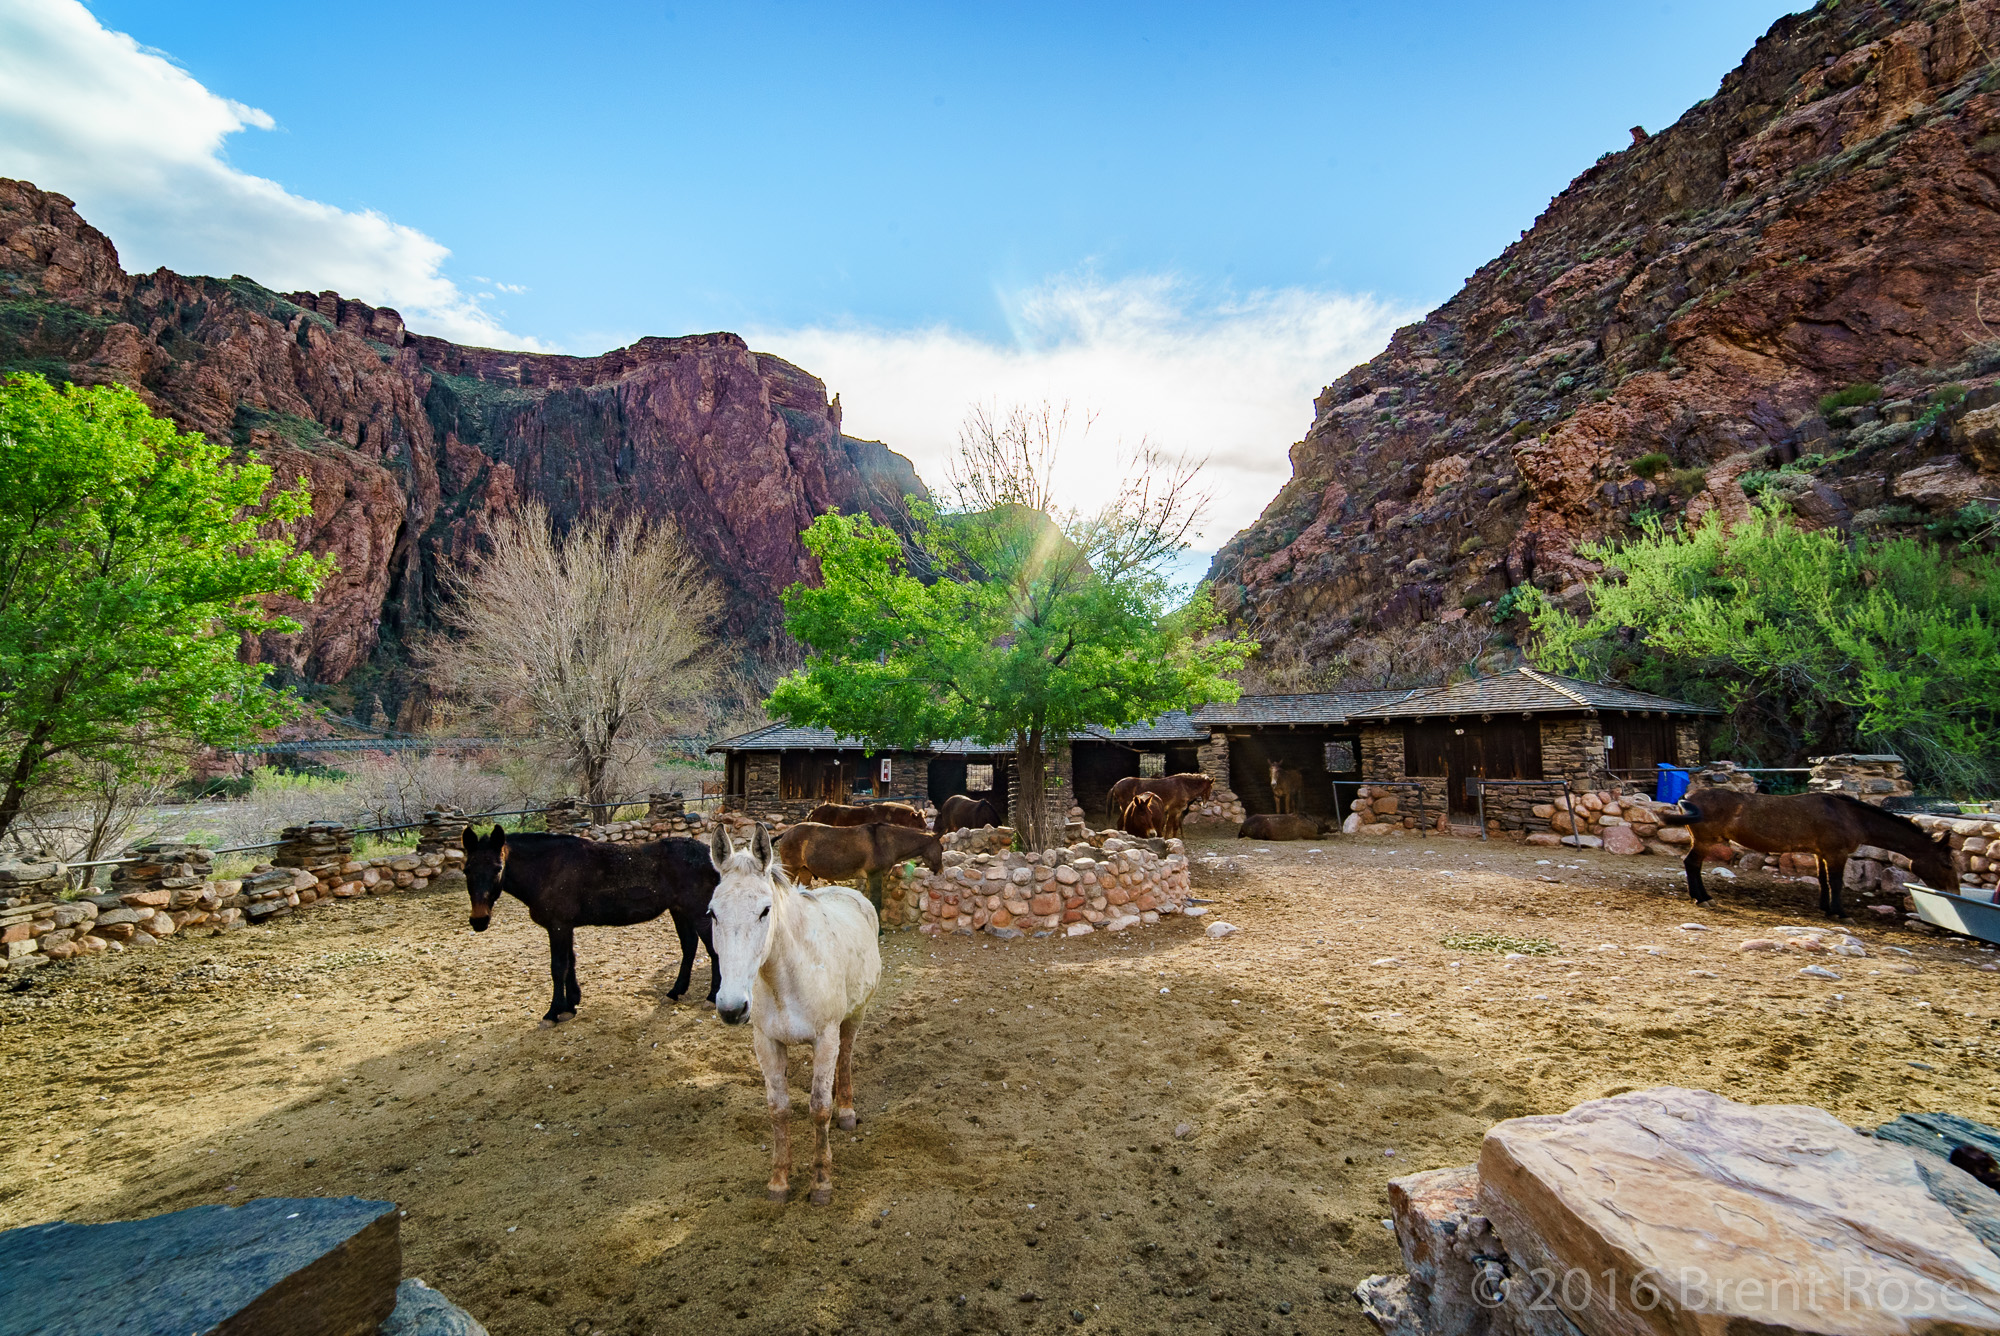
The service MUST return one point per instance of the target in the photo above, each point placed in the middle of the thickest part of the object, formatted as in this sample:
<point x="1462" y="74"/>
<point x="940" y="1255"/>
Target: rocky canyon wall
<point x="412" y="444"/>
<point x="1830" y="217"/>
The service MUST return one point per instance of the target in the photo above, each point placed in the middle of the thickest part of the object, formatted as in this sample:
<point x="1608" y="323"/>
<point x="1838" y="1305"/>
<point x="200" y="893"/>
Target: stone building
<point x="1524" y="725"/>
<point x="1317" y="746"/>
<point x="783" y="772"/>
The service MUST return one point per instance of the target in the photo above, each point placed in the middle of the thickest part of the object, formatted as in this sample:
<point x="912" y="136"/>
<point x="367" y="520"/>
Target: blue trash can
<point x="1673" y="784"/>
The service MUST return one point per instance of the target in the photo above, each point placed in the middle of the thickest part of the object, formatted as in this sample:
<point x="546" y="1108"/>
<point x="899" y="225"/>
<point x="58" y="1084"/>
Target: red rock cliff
<point x="410" y="442"/>
<point x="1830" y="216"/>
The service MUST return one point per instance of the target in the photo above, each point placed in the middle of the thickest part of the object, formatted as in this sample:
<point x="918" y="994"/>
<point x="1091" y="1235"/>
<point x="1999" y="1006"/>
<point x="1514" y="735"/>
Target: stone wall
<point x="1975" y="852"/>
<point x="1222" y="804"/>
<point x="1876" y="778"/>
<point x="1379" y="809"/>
<point x="1382" y="751"/>
<point x="1573" y="749"/>
<point x="987" y="887"/>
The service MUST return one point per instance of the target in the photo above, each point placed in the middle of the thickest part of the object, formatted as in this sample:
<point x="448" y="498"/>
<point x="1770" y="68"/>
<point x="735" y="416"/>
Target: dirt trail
<point x="1017" y="1168"/>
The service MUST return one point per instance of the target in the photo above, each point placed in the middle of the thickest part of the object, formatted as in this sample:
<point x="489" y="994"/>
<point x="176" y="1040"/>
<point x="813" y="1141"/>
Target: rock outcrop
<point x="1669" y="1212"/>
<point x="411" y="444"/>
<point x="1666" y="329"/>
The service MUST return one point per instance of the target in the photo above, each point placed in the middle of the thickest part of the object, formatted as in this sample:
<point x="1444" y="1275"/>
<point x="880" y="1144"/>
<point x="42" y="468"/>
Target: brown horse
<point x="960" y="812"/>
<point x="1176" y="792"/>
<point x="841" y="853"/>
<point x="1144" y="816"/>
<point x="870" y="814"/>
<point x="1830" y="826"/>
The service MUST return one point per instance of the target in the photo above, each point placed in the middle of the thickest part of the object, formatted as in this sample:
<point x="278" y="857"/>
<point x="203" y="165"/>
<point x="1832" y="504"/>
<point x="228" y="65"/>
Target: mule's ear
<point x="761" y="847"/>
<point x="468" y="838"/>
<point x="498" y="839"/>
<point x="720" y="850"/>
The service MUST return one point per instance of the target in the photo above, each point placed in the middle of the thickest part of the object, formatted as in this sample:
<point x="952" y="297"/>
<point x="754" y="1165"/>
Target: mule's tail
<point x="1687" y="816"/>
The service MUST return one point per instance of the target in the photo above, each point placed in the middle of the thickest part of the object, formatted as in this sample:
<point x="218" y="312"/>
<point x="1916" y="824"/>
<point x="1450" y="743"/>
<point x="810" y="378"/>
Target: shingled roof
<point x="1523" y="691"/>
<point x="786" y="737"/>
<point x="1312" y="707"/>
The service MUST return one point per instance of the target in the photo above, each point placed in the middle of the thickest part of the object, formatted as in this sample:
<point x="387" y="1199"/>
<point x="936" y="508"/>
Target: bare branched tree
<point x="1011" y="458"/>
<point x="591" y="644"/>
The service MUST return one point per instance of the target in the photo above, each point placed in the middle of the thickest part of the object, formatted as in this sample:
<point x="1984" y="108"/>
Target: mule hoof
<point x="779" y="1195"/>
<point x="545" y="1024"/>
<point x="848" y="1118"/>
<point x="821" y="1196"/>
<point x="675" y="997"/>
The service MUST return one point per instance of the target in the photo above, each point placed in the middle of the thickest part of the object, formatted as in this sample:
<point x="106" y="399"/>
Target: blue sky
<point x="1189" y="217"/>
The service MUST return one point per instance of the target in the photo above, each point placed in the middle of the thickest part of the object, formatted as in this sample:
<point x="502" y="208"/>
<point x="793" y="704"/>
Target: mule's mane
<point x="1886" y="825"/>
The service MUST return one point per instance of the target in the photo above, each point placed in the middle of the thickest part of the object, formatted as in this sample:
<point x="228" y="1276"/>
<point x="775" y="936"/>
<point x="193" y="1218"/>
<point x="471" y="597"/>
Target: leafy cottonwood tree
<point x="593" y="643"/>
<point x="130" y="573"/>
<point x="1812" y="642"/>
<point x="1011" y="620"/>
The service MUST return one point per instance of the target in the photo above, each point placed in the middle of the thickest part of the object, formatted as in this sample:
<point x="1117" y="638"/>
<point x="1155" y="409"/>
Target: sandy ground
<point x="1018" y="1167"/>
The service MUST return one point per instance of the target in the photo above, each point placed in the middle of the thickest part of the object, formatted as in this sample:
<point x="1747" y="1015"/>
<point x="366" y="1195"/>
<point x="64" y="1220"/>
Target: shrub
<point x="1519" y="599"/>
<point x="1810" y="642"/>
<point x="1689" y="480"/>
<point x="1645" y="466"/>
<point x="1853" y="396"/>
<point x="1968" y="522"/>
<point x="1948" y="395"/>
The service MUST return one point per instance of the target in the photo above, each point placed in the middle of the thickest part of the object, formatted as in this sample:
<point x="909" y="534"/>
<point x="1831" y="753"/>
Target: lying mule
<point x="1830" y="826"/>
<point x="801" y="966"/>
<point x="569" y="883"/>
<point x="867" y="814"/>
<point x="1280" y="826"/>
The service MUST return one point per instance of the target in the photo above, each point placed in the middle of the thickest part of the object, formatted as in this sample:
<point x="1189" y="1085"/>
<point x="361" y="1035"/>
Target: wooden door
<point x="1638" y="746"/>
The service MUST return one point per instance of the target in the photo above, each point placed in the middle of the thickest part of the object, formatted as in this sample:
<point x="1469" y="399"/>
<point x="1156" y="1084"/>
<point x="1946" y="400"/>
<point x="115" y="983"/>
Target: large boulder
<point x="1684" y="1212"/>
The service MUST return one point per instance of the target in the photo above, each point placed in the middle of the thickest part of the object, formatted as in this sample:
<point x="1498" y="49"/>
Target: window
<point x="1152" y="765"/>
<point x="1340" y="758"/>
<point x="978" y="779"/>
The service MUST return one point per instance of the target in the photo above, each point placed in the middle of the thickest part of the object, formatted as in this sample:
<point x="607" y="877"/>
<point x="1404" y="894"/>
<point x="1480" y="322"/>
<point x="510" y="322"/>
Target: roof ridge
<point x="1555" y="685"/>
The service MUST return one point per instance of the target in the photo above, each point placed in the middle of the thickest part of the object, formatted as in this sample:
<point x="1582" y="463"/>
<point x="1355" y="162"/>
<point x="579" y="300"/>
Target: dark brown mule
<point x="569" y="883"/>
<point x="869" y="814"/>
<point x="1830" y="826"/>
<point x="1279" y="826"/>
<point x="1176" y="792"/>
<point x="1144" y="816"/>
<point x="840" y="853"/>
<point x="962" y="813"/>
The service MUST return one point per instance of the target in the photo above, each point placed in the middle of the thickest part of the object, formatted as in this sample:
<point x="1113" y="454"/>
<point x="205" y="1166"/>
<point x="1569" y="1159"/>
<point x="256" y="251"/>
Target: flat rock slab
<point x="1931" y="1138"/>
<point x="277" y="1266"/>
<point x="1680" y="1213"/>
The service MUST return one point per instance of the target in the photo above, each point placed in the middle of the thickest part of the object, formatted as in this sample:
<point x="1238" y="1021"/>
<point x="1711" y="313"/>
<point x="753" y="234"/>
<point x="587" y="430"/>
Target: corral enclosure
<point x="1157" y="1131"/>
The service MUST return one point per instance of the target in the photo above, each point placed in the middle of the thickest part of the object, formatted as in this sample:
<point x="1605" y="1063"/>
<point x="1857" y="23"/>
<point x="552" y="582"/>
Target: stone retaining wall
<point x="1221" y="804"/>
<point x="1113" y="883"/>
<point x="1975" y="852"/>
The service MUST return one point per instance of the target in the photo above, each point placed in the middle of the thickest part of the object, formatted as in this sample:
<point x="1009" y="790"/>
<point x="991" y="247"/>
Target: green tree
<point x="1812" y="642"/>
<point x="1008" y="620"/>
<point x="131" y="569"/>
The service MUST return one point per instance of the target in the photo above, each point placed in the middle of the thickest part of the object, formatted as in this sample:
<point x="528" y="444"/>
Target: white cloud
<point x="139" y="144"/>
<point x="1232" y="380"/>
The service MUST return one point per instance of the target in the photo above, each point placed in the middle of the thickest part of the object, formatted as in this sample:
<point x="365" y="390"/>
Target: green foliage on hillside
<point x="1812" y="644"/>
<point x="1851" y="397"/>
<point x="131" y="570"/>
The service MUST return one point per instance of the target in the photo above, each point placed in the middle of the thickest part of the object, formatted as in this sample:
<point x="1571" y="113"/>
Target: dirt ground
<point x="1018" y="1167"/>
